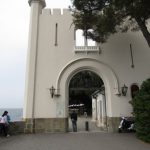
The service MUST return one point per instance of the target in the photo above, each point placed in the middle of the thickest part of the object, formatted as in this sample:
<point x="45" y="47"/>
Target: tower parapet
<point x="56" y="12"/>
<point x="42" y="2"/>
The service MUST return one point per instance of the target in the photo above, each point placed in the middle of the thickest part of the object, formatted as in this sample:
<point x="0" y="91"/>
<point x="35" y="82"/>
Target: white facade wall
<point x="55" y="65"/>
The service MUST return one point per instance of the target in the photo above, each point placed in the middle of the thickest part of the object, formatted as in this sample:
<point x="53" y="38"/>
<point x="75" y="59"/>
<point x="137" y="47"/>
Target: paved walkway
<point x="81" y="140"/>
<point x="74" y="141"/>
<point x="81" y="124"/>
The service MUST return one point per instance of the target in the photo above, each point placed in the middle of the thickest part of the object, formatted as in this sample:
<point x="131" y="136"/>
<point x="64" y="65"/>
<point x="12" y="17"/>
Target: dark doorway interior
<point x="81" y="87"/>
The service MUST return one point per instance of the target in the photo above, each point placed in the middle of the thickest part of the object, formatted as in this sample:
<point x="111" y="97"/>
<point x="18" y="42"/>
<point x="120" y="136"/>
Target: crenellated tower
<point x="36" y="10"/>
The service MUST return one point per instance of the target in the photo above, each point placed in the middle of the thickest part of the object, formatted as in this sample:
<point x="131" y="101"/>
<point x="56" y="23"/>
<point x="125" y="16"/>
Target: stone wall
<point x="113" y="123"/>
<point x="46" y="125"/>
<point x="16" y="127"/>
<point x="50" y="125"/>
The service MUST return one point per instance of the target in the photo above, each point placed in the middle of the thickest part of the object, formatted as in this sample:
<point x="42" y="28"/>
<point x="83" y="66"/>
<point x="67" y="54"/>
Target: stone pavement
<point x="74" y="141"/>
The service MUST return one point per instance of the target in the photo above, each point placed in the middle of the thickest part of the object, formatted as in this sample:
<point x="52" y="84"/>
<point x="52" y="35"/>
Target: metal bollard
<point x="86" y="126"/>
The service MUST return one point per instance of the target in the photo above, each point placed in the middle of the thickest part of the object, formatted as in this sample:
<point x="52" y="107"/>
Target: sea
<point x="16" y="114"/>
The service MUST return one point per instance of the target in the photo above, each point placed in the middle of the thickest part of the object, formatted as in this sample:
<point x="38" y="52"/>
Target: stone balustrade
<point x="87" y="49"/>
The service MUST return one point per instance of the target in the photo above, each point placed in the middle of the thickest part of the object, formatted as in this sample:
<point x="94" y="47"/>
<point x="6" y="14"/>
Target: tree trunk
<point x="144" y="29"/>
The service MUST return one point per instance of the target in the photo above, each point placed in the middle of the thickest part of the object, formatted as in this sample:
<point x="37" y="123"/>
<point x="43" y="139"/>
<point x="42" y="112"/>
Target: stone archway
<point x="102" y="70"/>
<point x="82" y="90"/>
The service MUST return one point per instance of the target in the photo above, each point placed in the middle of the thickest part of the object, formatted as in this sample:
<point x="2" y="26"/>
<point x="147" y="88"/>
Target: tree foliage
<point x="141" y="110"/>
<point x="106" y="17"/>
<point x="86" y="79"/>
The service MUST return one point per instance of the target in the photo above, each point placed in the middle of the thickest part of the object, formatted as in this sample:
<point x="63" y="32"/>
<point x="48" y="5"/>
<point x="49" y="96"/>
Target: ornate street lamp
<point x="124" y="90"/>
<point x="52" y="91"/>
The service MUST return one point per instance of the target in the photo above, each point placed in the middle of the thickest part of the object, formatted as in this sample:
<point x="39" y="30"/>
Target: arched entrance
<point x="83" y="88"/>
<point x="102" y="70"/>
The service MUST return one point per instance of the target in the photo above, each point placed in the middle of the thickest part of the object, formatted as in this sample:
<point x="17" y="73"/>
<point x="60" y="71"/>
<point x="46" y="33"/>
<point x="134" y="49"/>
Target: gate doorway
<point x="82" y="86"/>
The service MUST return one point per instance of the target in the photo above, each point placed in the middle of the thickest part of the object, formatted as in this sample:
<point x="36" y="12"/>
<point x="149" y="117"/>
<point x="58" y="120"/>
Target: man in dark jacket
<point x="74" y="121"/>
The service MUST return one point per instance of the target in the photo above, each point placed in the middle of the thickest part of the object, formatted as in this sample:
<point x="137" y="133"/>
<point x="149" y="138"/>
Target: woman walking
<point x="4" y="123"/>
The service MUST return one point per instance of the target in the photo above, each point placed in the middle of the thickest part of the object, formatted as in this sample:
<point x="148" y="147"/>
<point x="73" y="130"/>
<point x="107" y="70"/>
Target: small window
<point x="56" y="36"/>
<point x="79" y="38"/>
<point x="134" y="90"/>
<point x="90" y="41"/>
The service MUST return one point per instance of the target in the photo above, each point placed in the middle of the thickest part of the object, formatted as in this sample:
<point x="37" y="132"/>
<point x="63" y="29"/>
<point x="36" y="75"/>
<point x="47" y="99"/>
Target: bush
<point x="141" y="110"/>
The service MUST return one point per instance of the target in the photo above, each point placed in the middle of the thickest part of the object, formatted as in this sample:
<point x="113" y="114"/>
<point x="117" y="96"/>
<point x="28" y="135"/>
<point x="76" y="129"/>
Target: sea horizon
<point x="11" y="107"/>
<point x="16" y="114"/>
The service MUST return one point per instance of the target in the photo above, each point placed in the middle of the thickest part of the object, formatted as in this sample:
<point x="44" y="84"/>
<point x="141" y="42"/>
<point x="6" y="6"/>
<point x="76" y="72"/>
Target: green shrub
<point x="141" y="111"/>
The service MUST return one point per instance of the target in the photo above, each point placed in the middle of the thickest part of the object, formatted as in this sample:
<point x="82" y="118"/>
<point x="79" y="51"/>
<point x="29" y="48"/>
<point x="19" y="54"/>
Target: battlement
<point x="56" y="12"/>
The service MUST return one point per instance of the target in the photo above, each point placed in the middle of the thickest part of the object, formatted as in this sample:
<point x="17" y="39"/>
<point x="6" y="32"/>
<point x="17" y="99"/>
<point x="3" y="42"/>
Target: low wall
<point x="46" y="125"/>
<point x="53" y="125"/>
<point x="16" y="127"/>
<point x="113" y="123"/>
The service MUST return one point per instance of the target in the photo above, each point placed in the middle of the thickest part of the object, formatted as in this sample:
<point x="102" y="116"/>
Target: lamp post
<point x="124" y="90"/>
<point x="52" y="91"/>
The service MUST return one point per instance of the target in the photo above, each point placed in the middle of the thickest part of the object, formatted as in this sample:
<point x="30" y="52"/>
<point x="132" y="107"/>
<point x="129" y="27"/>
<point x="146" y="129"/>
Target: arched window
<point x="81" y="40"/>
<point x="134" y="90"/>
<point x="90" y="41"/>
<point x="79" y="37"/>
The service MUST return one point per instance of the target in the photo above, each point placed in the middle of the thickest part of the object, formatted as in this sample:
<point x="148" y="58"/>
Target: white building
<point x="53" y="59"/>
<point x="99" y="114"/>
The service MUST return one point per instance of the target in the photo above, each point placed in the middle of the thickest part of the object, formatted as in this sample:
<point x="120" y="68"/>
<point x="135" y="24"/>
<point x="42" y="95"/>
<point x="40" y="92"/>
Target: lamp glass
<point x="124" y="90"/>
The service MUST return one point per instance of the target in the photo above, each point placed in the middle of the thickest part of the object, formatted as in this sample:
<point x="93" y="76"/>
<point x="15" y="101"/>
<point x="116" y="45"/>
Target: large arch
<point x="103" y="70"/>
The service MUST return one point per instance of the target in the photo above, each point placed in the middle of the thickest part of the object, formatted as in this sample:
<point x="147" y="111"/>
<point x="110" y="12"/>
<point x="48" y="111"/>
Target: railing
<point x="87" y="49"/>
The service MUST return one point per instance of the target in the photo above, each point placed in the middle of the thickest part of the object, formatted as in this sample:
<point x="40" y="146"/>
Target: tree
<point x="141" y="110"/>
<point x="86" y="79"/>
<point x="106" y="17"/>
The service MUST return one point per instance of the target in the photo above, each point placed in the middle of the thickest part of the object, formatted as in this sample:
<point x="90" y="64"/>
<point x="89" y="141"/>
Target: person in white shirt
<point x="4" y="123"/>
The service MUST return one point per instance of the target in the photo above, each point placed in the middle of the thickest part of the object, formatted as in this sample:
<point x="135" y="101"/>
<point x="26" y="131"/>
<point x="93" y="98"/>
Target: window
<point x="81" y="40"/>
<point x="134" y="90"/>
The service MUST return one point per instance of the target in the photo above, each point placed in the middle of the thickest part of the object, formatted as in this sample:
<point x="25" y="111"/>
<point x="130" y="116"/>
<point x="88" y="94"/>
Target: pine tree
<point x="106" y="17"/>
<point x="141" y="110"/>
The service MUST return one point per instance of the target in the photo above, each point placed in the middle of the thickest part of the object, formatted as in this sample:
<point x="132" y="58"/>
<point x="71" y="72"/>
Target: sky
<point x="14" y="26"/>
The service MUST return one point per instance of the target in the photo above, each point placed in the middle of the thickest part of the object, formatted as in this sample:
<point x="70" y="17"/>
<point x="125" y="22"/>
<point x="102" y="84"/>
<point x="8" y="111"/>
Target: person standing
<point x="4" y="122"/>
<point x="85" y="114"/>
<point x="74" y="120"/>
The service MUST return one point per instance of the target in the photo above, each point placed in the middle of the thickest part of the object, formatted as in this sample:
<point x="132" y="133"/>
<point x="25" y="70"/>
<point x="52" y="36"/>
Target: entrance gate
<point x="81" y="88"/>
<point x="99" y="68"/>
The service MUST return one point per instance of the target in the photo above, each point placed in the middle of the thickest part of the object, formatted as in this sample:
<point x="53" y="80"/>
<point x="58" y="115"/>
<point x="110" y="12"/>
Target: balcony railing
<point x="87" y="49"/>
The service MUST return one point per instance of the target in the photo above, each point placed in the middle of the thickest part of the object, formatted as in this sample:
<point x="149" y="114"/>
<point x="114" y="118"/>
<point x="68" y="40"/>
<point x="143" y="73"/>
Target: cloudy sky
<point x="14" y="23"/>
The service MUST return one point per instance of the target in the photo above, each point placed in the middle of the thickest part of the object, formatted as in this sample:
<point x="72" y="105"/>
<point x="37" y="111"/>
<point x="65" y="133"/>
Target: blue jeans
<point x="4" y="129"/>
<point x="74" y="125"/>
